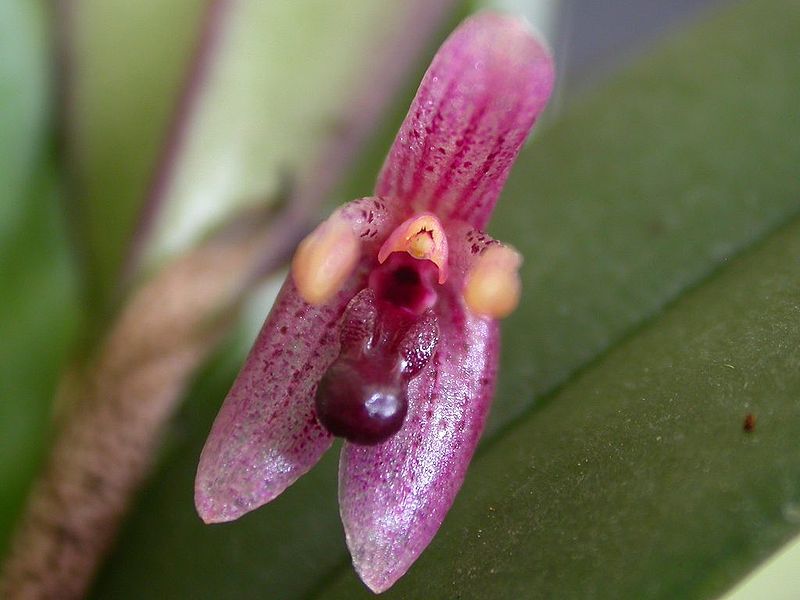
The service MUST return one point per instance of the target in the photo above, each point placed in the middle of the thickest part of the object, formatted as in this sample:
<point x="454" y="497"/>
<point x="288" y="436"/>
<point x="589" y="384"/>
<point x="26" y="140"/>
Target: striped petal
<point x="393" y="497"/>
<point x="473" y="110"/>
<point x="266" y="435"/>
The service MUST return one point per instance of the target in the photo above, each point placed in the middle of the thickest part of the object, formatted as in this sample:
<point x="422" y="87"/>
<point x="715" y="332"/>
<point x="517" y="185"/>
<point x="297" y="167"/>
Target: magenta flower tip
<point x="386" y="331"/>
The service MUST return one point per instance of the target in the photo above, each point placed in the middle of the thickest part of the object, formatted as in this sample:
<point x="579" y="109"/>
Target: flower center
<point x="412" y="260"/>
<point x="387" y="332"/>
<point x="405" y="282"/>
<point x="363" y="394"/>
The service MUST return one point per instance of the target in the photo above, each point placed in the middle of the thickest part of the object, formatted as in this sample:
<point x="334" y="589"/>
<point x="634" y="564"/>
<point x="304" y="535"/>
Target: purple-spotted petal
<point x="393" y="497"/>
<point x="267" y="435"/>
<point x="473" y="110"/>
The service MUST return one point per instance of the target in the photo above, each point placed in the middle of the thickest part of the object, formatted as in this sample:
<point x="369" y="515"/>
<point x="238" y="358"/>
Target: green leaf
<point x="24" y="103"/>
<point x="38" y="317"/>
<point x="648" y="187"/>
<point x="638" y="194"/>
<point x="638" y="480"/>
<point x="38" y="311"/>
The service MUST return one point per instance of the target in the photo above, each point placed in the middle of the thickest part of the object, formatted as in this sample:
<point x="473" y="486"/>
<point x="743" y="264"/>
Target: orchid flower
<point x="386" y="331"/>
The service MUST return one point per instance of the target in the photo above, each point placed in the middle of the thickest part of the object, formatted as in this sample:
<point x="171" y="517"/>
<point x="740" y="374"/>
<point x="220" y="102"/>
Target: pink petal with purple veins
<point x="393" y="497"/>
<point x="266" y="435"/>
<point x="473" y="110"/>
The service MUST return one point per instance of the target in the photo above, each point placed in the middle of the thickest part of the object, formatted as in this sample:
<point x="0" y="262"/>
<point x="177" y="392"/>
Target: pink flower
<point x="386" y="332"/>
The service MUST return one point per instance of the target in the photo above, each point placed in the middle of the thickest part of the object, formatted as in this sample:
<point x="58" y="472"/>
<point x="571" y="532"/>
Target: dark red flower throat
<point x="388" y="334"/>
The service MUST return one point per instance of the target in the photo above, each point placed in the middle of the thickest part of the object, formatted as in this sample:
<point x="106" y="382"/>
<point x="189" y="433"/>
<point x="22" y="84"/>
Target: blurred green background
<point x="657" y="206"/>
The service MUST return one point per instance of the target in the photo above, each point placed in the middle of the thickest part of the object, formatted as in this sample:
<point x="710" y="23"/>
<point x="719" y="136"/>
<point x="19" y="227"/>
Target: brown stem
<point x="117" y="413"/>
